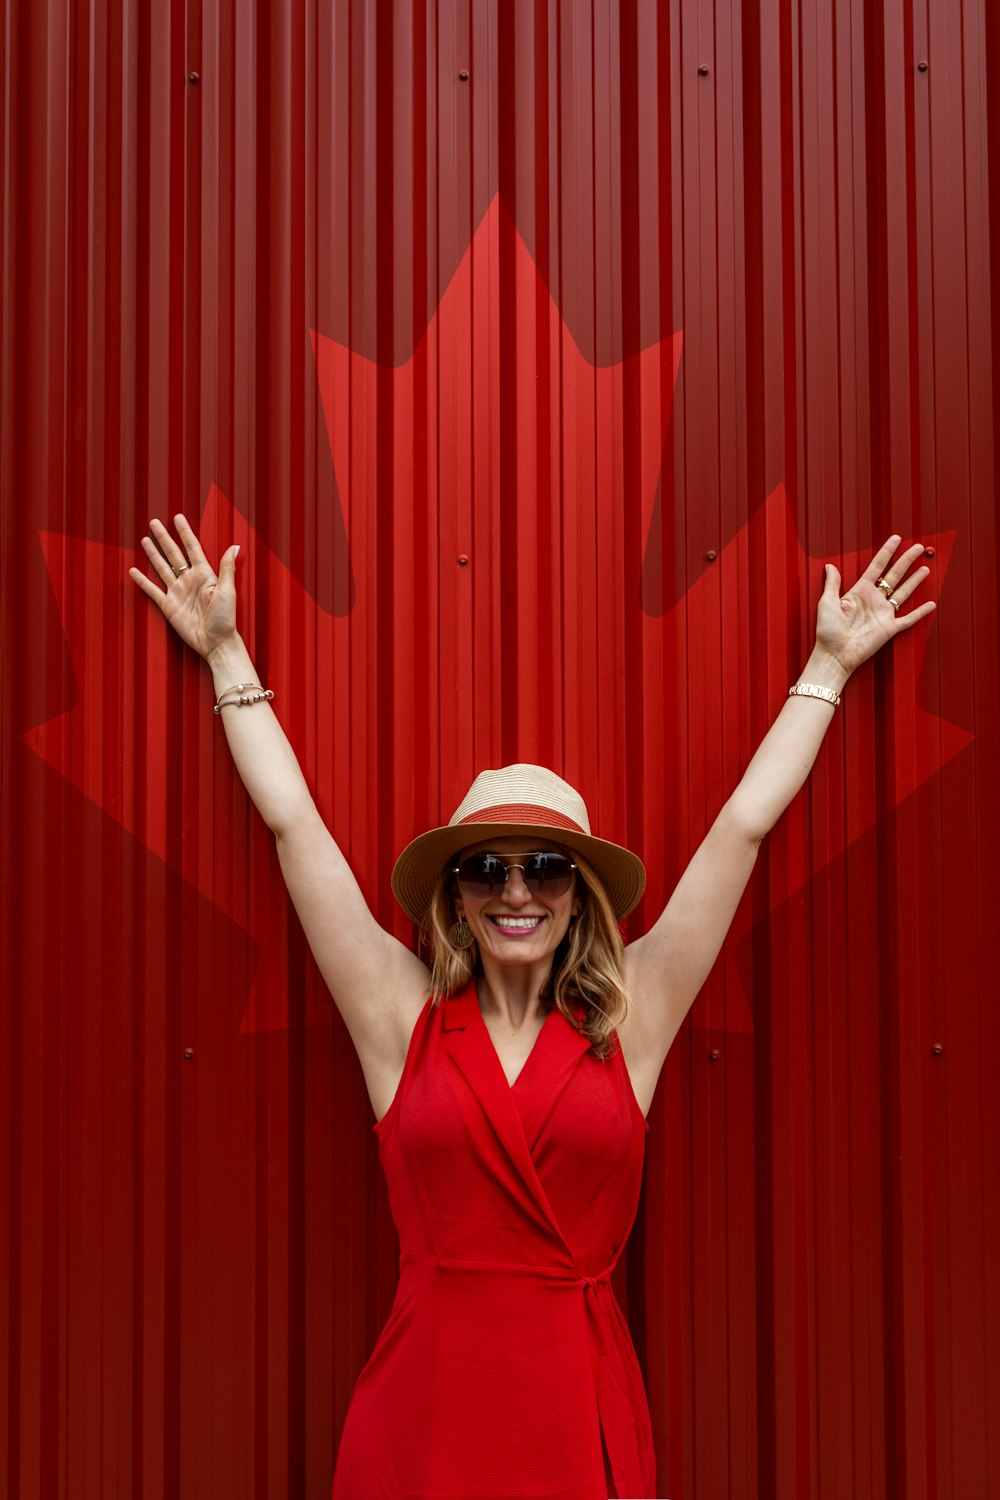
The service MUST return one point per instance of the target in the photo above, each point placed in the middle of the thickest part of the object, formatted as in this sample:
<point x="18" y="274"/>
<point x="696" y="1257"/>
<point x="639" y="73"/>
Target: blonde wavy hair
<point x="588" y="966"/>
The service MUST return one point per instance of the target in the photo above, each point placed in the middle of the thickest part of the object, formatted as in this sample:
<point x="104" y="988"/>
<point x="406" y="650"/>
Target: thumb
<point x="831" y="588"/>
<point x="227" y="568"/>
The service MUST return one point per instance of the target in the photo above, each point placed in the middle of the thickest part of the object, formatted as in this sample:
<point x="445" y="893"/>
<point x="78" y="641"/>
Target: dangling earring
<point x="460" y="934"/>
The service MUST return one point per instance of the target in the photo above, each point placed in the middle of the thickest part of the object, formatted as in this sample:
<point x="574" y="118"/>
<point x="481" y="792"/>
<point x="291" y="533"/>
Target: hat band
<point x="521" y="812"/>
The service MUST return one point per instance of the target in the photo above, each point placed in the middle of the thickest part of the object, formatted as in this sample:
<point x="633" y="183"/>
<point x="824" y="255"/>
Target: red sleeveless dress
<point x="506" y="1358"/>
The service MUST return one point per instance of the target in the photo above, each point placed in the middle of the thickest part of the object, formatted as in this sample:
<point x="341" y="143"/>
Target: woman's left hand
<point x="854" y="626"/>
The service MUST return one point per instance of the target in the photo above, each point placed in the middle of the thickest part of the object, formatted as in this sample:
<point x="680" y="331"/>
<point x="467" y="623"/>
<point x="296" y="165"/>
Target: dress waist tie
<point x="611" y="1354"/>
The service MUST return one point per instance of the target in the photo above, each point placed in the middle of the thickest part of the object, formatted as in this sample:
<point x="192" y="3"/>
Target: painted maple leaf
<point x="497" y="618"/>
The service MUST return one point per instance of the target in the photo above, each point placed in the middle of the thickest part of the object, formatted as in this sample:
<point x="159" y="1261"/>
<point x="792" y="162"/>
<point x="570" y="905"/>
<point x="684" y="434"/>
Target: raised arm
<point x="378" y="984"/>
<point x="670" y="963"/>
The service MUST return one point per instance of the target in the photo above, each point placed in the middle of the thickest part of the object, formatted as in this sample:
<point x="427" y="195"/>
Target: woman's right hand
<point x="199" y="605"/>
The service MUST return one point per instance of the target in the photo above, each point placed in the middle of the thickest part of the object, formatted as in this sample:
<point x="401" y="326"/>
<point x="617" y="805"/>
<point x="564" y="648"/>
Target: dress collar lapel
<point x="553" y="1061"/>
<point x="517" y="1114"/>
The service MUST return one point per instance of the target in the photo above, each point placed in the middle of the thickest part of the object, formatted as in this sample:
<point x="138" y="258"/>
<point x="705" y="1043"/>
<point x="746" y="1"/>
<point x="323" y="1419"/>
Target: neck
<point x="513" y="993"/>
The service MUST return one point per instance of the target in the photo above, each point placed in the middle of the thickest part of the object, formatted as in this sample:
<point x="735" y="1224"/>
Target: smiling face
<point x="516" y="926"/>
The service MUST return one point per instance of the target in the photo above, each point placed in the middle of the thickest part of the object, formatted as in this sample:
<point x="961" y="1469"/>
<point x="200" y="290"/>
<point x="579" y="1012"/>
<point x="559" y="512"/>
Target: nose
<point x="515" y="892"/>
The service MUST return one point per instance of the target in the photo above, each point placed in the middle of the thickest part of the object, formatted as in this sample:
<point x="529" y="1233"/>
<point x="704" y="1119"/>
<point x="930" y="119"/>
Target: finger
<point x="171" y="551"/>
<point x="158" y="560"/>
<point x="148" y="586"/>
<point x="227" y="568"/>
<point x="902" y="591"/>
<point x="186" y="533"/>
<point x="903" y="622"/>
<point x="832" y="585"/>
<point x="903" y="564"/>
<point x="881" y="559"/>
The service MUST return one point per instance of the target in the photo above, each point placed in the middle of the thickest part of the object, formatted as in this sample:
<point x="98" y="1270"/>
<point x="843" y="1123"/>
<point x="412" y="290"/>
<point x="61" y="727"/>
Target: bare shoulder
<point x="378" y="984"/>
<point x="382" y="1030"/>
<point x="645" y="1035"/>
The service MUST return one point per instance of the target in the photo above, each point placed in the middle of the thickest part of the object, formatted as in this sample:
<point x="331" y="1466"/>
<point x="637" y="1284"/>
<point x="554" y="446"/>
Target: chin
<point x="523" y="953"/>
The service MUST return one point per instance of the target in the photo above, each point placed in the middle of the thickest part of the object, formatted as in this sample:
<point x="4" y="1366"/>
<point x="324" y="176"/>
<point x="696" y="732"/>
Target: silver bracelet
<point x="237" y="687"/>
<point x="812" y="690"/>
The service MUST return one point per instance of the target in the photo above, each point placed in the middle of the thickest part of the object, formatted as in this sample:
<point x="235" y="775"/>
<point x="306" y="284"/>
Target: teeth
<point x="517" y="921"/>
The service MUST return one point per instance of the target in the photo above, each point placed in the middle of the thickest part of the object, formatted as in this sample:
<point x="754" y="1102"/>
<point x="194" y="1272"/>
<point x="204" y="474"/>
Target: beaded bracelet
<point x="251" y="692"/>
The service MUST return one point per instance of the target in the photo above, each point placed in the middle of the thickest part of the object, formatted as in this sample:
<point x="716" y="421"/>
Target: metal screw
<point x="463" y="76"/>
<point x="922" y="65"/>
<point x="937" y="1049"/>
<point x="703" y="70"/>
<point x="714" y="1055"/>
<point x="928" y="551"/>
<point x="193" y="77"/>
<point x="463" y="561"/>
<point x="711" y="556"/>
<point x="188" y="1054"/>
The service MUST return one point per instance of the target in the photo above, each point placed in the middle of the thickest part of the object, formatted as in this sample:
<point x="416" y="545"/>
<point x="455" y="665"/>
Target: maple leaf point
<point x="730" y="650"/>
<point x="111" y="650"/>
<point x="432" y="432"/>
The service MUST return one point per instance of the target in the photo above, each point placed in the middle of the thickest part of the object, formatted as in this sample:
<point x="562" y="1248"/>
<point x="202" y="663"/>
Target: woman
<point x="511" y="1083"/>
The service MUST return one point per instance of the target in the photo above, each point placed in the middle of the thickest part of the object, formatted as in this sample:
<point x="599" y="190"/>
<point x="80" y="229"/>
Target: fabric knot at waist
<point x="548" y="1271"/>
<point x="617" y="1381"/>
<point x="596" y="1281"/>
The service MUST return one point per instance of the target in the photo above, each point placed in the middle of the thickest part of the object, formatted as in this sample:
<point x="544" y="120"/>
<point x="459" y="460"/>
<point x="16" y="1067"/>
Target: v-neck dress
<point x="506" y="1370"/>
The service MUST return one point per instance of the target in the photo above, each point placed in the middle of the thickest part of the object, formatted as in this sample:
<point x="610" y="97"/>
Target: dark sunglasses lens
<point x="481" y="875"/>
<point x="548" y="874"/>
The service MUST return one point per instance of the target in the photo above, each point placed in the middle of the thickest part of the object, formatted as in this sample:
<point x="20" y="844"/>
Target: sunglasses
<point x="544" y="874"/>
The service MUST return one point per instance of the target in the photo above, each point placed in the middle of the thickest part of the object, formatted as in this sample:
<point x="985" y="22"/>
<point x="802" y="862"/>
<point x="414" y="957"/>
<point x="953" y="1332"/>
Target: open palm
<point x="854" y="626"/>
<point x="198" y="603"/>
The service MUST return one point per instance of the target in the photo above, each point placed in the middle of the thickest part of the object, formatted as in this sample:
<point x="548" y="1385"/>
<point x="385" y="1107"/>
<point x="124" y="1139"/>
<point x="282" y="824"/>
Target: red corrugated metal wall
<point x="538" y="355"/>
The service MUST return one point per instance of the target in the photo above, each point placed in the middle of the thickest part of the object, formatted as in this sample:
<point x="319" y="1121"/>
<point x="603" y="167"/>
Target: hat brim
<point x="419" y="867"/>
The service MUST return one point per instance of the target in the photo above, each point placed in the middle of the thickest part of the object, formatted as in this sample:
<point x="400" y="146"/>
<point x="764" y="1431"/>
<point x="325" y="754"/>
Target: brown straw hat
<point x="516" y="799"/>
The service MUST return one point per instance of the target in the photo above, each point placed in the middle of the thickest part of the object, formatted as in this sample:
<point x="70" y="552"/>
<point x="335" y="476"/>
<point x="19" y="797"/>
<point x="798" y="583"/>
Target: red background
<point x="653" y="313"/>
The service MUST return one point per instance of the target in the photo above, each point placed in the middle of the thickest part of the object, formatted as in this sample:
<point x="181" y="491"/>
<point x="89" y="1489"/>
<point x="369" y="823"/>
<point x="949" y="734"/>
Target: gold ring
<point x="894" y="603"/>
<point x="178" y="571"/>
<point x="886" y="587"/>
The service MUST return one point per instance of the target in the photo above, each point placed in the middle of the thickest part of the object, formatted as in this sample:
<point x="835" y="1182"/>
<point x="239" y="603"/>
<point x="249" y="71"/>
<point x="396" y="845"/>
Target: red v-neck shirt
<point x="506" y="1357"/>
